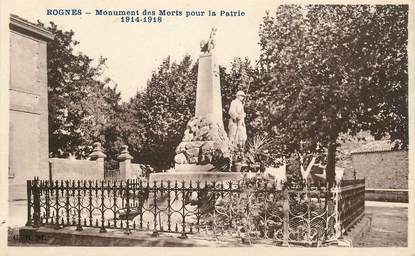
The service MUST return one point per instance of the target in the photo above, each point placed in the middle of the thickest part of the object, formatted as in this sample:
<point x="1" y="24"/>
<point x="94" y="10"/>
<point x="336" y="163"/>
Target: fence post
<point x="79" y="224"/>
<point x="127" y="202"/>
<point x="47" y="202"/>
<point x="183" y="234"/>
<point x="57" y="226"/>
<point x="286" y="220"/>
<point x="36" y="203"/>
<point x="337" y="209"/>
<point x="155" y="231"/>
<point x="98" y="156"/>
<point x="29" y="202"/>
<point x="125" y="163"/>
<point x="102" y="229"/>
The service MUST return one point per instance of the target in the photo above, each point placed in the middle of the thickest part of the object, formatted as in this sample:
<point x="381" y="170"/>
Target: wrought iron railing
<point x="351" y="202"/>
<point x="254" y="211"/>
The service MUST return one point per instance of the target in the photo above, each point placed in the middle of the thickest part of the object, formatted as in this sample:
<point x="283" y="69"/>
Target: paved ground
<point x="17" y="213"/>
<point x="389" y="225"/>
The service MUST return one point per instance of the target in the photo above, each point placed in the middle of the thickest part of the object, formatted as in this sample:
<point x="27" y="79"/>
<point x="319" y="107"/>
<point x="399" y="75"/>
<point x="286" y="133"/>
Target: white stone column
<point x="208" y="94"/>
<point x="124" y="158"/>
<point x="98" y="156"/>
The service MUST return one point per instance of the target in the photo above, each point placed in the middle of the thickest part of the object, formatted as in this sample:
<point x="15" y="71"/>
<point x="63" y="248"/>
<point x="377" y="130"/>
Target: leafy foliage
<point x="161" y="112"/>
<point x="258" y="153"/>
<point x="254" y="210"/>
<point x="328" y="71"/>
<point x="82" y="105"/>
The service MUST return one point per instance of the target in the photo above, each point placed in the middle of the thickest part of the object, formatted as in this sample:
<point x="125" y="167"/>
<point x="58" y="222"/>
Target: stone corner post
<point x="98" y="156"/>
<point x="124" y="159"/>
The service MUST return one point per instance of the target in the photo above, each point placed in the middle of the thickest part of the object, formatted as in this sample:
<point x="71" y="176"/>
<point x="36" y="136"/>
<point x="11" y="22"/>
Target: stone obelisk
<point x="208" y="95"/>
<point x="205" y="141"/>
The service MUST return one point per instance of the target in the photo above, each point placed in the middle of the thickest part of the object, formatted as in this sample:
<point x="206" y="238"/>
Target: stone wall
<point x="68" y="169"/>
<point x="385" y="170"/>
<point x="93" y="169"/>
<point x="387" y="195"/>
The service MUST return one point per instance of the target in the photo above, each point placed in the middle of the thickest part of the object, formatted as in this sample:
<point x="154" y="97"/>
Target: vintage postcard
<point x="255" y="127"/>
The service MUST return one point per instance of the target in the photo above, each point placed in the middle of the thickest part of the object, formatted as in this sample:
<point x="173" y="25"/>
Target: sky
<point x="134" y="50"/>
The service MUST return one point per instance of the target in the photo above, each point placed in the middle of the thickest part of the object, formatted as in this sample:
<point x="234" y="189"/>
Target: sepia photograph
<point x="184" y="124"/>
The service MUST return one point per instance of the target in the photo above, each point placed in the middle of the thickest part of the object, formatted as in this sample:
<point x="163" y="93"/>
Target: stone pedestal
<point x="194" y="168"/>
<point x="204" y="143"/>
<point x="194" y="177"/>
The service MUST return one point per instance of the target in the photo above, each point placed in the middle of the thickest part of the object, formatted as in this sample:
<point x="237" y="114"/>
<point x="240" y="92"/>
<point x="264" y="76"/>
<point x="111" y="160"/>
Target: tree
<point x="164" y="108"/>
<point x="328" y="69"/>
<point x="81" y="103"/>
<point x="100" y="122"/>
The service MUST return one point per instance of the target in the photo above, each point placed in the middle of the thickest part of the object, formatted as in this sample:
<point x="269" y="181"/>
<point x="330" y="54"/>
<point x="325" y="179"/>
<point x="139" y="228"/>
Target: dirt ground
<point x="389" y="227"/>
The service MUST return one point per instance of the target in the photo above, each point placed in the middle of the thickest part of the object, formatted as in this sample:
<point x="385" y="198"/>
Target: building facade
<point x="28" y="111"/>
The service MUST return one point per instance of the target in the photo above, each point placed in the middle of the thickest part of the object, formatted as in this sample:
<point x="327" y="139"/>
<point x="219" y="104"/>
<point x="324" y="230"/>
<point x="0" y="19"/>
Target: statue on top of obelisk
<point x="207" y="47"/>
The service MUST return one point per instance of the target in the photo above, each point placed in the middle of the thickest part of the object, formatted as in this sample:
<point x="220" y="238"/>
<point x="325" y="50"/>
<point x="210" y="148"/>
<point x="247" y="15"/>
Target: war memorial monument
<point x="204" y="153"/>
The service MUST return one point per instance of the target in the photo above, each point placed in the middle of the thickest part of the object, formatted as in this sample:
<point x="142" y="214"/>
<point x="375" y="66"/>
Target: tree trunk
<point x="331" y="163"/>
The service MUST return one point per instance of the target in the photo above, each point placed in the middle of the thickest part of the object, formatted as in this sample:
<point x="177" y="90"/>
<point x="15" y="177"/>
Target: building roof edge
<point x="23" y="26"/>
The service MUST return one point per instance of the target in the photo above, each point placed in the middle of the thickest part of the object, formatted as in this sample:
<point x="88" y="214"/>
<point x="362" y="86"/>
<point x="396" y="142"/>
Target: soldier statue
<point x="236" y="127"/>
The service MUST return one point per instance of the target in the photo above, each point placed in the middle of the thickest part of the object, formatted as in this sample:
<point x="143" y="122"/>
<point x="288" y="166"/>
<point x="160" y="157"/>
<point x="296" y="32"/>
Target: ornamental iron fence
<point x="351" y="202"/>
<point x="254" y="211"/>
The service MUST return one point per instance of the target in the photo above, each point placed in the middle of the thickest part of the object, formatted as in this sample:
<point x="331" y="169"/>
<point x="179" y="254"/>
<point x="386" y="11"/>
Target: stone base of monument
<point x="194" y="168"/>
<point x="202" y="177"/>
